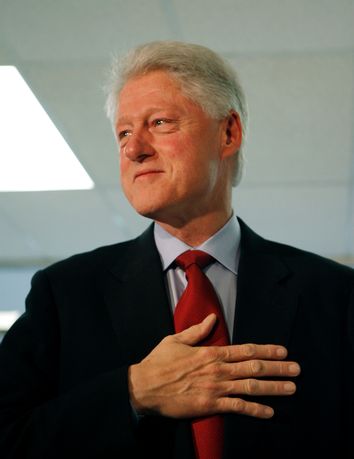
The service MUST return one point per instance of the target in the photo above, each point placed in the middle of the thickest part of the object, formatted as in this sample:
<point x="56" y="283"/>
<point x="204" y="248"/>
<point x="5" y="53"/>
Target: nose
<point x="137" y="148"/>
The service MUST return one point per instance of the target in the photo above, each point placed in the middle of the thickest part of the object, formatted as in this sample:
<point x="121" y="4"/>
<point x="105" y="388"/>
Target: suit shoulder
<point x="310" y="262"/>
<point x="95" y="259"/>
<point x="295" y="258"/>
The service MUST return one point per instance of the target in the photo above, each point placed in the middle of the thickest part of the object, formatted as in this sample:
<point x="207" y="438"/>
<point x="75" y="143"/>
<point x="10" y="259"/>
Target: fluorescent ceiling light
<point x="7" y="318"/>
<point x="33" y="154"/>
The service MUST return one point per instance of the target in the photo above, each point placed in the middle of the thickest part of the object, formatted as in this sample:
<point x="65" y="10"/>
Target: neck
<point x="197" y="230"/>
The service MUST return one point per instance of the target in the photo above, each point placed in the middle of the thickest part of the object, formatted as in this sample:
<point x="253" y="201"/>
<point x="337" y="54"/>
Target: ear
<point x="231" y="134"/>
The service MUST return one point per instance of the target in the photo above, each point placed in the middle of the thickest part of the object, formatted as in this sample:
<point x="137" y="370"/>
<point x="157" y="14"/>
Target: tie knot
<point x="186" y="259"/>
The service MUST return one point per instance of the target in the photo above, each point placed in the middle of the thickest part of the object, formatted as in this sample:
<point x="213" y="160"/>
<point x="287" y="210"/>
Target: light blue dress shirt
<point x="224" y="246"/>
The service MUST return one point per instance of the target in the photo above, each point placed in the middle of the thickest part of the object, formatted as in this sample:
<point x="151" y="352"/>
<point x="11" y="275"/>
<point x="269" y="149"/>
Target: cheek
<point x="178" y="151"/>
<point x="123" y="165"/>
<point x="169" y="146"/>
<point x="124" y="176"/>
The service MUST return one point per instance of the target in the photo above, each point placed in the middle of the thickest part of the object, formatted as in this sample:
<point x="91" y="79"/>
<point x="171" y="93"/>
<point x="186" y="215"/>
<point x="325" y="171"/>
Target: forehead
<point x="156" y="87"/>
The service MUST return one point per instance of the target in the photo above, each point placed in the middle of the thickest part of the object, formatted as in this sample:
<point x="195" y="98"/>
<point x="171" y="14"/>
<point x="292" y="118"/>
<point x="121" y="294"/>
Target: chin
<point x="147" y="210"/>
<point x="163" y="214"/>
<point x="159" y="207"/>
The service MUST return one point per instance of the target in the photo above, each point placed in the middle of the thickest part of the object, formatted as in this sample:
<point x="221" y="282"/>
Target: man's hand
<point x="179" y="379"/>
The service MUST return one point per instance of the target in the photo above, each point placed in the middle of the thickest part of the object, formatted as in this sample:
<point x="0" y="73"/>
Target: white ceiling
<point x="296" y="61"/>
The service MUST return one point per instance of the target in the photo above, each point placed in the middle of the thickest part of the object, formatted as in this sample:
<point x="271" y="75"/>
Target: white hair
<point x="205" y="78"/>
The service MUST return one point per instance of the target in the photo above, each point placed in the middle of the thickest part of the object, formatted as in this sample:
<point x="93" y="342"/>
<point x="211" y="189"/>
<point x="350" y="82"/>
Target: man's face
<point x="171" y="163"/>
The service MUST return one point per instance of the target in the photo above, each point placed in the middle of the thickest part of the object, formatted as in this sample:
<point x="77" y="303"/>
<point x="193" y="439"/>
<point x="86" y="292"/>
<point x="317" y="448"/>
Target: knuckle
<point x="210" y="388"/>
<point x="251" y="386"/>
<point x="203" y="403"/>
<point x="239" y="405"/>
<point x="227" y="353"/>
<point x="282" y="369"/>
<point x="215" y="370"/>
<point x="168" y="338"/>
<point x="249" y="349"/>
<point x="223" y="405"/>
<point x="207" y="353"/>
<point x="203" y="353"/>
<point x="256" y="367"/>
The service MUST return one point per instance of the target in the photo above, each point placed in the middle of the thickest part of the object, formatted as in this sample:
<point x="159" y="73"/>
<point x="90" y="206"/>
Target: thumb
<point x="196" y="333"/>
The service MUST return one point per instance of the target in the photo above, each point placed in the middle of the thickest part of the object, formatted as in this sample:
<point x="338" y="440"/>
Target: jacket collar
<point x="266" y="293"/>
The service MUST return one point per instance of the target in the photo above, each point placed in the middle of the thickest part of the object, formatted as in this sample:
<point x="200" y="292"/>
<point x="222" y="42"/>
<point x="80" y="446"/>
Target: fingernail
<point x="269" y="412"/>
<point x="281" y="352"/>
<point x="289" y="387"/>
<point x="294" y="368"/>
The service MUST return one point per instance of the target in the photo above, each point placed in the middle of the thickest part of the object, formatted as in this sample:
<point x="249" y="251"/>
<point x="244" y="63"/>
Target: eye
<point x="162" y="122"/>
<point x="123" y="134"/>
<point x="159" y="122"/>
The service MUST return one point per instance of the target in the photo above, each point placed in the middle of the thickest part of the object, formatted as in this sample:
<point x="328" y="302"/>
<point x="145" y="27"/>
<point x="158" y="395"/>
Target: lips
<point x="147" y="173"/>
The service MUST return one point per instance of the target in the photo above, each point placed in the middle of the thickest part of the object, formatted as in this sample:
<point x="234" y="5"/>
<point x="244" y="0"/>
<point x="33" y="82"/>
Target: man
<point x="109" y="359"/>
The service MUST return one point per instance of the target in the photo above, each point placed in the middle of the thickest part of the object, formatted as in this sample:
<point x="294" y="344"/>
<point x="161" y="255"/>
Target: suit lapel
<point x="136" y="298"/>
<point x="267" y="299"/>
<point x="266" y="293"/>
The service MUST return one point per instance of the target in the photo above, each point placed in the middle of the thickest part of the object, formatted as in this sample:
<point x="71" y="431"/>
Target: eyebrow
<point x="152" y="110"/>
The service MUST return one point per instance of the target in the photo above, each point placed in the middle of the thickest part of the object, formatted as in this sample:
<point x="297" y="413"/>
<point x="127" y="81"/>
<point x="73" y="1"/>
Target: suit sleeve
<point x="39" y="420"/>
<point x="351" y="319"/>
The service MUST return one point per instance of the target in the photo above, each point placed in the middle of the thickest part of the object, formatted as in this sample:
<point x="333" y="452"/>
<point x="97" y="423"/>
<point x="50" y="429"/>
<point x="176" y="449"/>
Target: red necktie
<point x="197" y="301"/>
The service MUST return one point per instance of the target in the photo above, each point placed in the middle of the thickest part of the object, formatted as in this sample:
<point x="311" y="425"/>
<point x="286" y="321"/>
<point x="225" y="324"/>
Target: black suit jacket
<point x="63" y="365"/>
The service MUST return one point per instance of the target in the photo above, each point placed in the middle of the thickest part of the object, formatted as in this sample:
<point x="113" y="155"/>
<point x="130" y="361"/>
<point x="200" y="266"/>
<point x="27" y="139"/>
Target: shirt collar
<point x="223" y="245"/>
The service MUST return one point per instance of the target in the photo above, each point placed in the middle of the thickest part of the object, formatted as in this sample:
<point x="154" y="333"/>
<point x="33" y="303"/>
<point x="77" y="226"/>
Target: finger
<point x="242" y="352"/>
<point x="259" y="368"/>
<point x="196" y="333"/>
<point x="259" y="387"/>
<point x="240" y="406"/>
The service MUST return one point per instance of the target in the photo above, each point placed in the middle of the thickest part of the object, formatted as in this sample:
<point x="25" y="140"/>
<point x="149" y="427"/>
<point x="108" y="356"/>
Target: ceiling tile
<point x="134" y="223"/>
<point x="245" y="26"/>
<point x="64" y="222"/>
<point x="301" y="117"/>
<point x="14" y="286"/>
<point x="86" y="29"/>
<point x="311" y="218"/>
<point x="15" y="241"/>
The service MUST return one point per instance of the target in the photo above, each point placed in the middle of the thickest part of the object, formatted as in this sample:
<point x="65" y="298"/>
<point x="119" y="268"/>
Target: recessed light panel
<point x="7" y="318"/>
<point x="33" y="154"/>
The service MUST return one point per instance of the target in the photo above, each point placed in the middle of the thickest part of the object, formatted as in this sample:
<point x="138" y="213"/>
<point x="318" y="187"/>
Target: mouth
<point x="148" y="173"/>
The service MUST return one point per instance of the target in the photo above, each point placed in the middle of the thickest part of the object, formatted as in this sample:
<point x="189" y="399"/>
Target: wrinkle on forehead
<point x="156" y="91"/>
